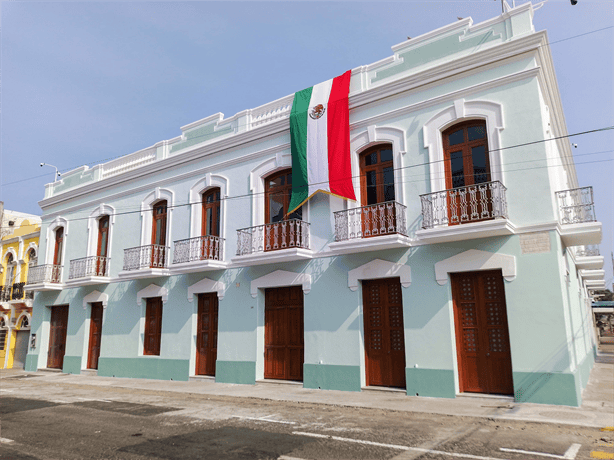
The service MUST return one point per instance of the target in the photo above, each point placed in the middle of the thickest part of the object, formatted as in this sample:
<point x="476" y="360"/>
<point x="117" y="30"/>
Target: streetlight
<point x="57" y="173"/>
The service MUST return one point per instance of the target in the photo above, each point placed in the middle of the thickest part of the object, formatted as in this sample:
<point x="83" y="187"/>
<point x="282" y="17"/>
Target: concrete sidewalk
<point x="597" y="409"/>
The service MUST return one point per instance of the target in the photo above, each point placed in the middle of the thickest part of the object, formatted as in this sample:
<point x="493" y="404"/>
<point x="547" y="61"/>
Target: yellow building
<point x="19" y="249"/>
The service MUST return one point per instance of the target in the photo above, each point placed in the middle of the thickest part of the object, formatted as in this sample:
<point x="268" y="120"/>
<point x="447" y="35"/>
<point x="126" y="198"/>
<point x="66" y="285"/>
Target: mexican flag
<point x="320" y="141"/>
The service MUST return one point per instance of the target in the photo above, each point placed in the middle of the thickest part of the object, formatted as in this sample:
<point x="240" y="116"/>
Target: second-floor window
<point x="158" y="232"/>
<point x="59" y="245"/>
<point x="278" y="188"/>
<point x="377" y="175"/>
<point x="10" y="270"/>
<point x="103" y="245"/>
<point x="466" y="160"/>
<point x="211" y="213"/>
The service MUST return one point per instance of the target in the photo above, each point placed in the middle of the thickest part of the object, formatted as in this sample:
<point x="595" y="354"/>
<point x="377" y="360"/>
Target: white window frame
<point x="147" y="214"/>
<point x="92" y="229"/>
<point x="371" y="137"/>
<point x="50" y="240"/>
<point x="210" y="181"/>
<point x="459" y="111"/>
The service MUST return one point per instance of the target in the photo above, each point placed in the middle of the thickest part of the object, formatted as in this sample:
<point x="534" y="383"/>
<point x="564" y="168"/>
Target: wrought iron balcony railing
<point x="369" y="221"/>
<point x="89" y="266"/>
<point x="293" y="233"/>
<point x="45" y="274"/>
<point x="150" y="256"/>
<point x="198" y="248"/>
<point x="5" y="293"/>
<point x="472" y="203"/>
<point x="18" y="291"/>
<point x="576" y="205"/>
<point x="587" y="251"/>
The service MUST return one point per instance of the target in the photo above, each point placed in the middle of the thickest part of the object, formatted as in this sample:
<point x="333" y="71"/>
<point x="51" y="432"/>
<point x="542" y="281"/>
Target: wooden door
<point x="384" y="332"/>
<point x="103" y="243"/>
<point x="377" y="186"/>
<point x="277" y="191"/>
<point x="467" y="163"/>
<point x="95" y="335"/>
<point x="153" y="326"/>
<point x="158" y="235"/>
<point x="206" y="334"/>
<point x="57" y="337"/>
<point x="482" y="337"/>
<point x="283" y="333"/>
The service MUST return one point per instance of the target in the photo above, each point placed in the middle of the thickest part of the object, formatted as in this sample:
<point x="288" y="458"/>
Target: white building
<point x="464" y="265"/>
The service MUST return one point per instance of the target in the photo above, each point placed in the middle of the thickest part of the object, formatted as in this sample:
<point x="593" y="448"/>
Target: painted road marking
<point x="7" y="391"/>
<point x="393" y="446"/>
<point x="601" y="454"/>
<point x="6" y="441"/>
<point x="570" y="454"/>
<point x="264" y="419"/>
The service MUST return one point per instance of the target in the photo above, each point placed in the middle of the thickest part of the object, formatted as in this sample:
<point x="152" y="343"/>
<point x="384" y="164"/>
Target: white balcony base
<point x="595" y="284"/>
<point x="595" y="275"/>
<point x="45" y="287"/>
<point x="374" y="243"/>
<point x="20" y="303"/>
<point x="468" y="231"/>
<point x="582" y="234"/>
<point x="589" y="262"/>
<point x="143" y="273"/>
<point x="198" y="266"/>
<point x="272" y="257"/>
<point x="87" y="281"/>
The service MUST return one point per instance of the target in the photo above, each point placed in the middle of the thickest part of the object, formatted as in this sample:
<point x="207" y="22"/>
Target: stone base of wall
<point x="331" y="377"/>
<point x="435" y="383"/>
<point x="243" y="372"/>
<point x="144" y="368"/>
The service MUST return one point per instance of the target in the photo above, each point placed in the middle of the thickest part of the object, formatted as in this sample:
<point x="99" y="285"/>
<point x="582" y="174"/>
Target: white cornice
<point x="452" y="68"/>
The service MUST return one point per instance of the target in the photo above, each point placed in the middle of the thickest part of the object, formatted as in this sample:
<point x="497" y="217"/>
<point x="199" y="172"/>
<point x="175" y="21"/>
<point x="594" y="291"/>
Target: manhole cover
<point x="563" y="415"/>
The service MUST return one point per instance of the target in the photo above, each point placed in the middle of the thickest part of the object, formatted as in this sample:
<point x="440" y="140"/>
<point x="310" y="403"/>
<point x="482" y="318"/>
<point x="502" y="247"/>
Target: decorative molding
<point x="206" y="285"/>
<point x="490" y="112"/>
<point x="147" y="213"/>
<point x="11" y="251"/>
<point x="195" y="199"/>
<point x="96" y="296"/>
<point x="454" y="67"/>
<point x="92" y="228"/>
<point x="50" y="237"/>
<point x="377" y="269"/>
<point x="281" y="278"/>
<point x="22" y="315"/>
<point x="473" y="260"/>
<point x="153" y="290"/>
<point x="282" y="160"/>
<point x="371" y="136"/>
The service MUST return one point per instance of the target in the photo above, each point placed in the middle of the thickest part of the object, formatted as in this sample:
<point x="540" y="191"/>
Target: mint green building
<point x="464" y="266"/>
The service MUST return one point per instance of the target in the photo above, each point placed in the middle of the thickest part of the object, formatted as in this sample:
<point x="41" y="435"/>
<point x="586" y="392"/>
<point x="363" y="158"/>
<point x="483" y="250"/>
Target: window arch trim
<point x="210" y="181"/>
<point x="460" y="111"/>
<point x="50" y="240"/>
<point x="92" y="229"/>
<point x="147" y="204"/>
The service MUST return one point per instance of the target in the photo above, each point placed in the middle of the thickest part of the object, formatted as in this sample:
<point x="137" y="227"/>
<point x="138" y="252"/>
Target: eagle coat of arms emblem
<point x="317" y="111"/>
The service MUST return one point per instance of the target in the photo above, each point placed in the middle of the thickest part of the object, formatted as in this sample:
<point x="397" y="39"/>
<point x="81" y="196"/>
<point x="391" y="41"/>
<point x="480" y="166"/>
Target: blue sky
<point x="83" y="82"/>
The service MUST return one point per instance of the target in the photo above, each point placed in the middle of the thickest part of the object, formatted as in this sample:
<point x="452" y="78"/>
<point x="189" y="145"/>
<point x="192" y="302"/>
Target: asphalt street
<point x="44" y="418"/>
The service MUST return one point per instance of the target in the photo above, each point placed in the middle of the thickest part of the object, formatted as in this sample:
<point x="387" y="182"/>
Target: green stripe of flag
<point x="298" y="146"/>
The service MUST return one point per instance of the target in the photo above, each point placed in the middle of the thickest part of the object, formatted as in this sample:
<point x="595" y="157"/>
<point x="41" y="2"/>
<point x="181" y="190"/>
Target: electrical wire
<point x="212" y="135"/>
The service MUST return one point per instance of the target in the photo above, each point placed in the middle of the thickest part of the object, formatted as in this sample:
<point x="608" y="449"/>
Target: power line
<point x="422" y="179"/>
<point x="212" y="135"/>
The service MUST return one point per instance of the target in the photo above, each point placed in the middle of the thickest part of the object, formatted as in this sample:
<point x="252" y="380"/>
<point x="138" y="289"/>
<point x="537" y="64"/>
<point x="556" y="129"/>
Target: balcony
<point x="16" y="295"/>
<point x="371" y="228"/>
<point x="197" y="254"/>
<point x="277" y="242"/>
<point x="588" y="257"/>
<point x="5" y="293"/>
<point x="145" y="262"/>
<point x="473" y="211"/>
<point x="45" y="278"/>
<point x="578" y="224"/>
<point x="88" y="270"/>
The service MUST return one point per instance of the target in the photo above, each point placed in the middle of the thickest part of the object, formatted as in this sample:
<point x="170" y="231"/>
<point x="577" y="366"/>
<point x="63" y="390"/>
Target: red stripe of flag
<point x="339" y="164"/>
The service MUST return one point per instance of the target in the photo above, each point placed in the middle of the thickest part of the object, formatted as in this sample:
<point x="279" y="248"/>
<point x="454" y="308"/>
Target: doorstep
<point x="89" y="372"/>
<point x="388" y="389"/>
<point x="485" y="396"/>
<point x="49" y="369"/>
<point x="280" y="382"/>
<point x="201" y="378"/>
